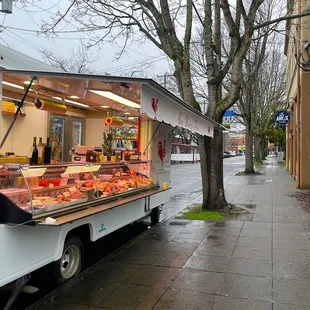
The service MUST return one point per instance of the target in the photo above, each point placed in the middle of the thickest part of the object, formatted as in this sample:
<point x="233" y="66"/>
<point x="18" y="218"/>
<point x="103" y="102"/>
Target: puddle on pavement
<point x="212" y="237"/>
<point x="178" y="223"/>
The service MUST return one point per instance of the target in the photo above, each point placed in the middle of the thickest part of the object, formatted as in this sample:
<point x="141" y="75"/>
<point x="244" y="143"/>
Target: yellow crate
<point x="14" y="160"/>
<point x="8" y="106"/>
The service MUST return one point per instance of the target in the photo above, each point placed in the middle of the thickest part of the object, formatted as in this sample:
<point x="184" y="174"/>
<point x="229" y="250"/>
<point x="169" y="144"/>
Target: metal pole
<point x="16" y="113"/>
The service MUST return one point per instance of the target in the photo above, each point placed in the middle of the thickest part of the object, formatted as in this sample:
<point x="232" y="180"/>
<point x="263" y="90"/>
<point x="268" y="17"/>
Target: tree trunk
<point x="211" y="149"/>
<point x="217" y="198"/>
<point x="257" y="150"/>
<point x="263" y="149"/>
<point x="211" y="159"/>
<point x="204" y="147"/>
<point x="249" y="163"/>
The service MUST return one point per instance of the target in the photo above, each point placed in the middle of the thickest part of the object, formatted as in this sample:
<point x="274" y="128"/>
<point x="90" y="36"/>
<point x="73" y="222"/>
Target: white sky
<point x="30" y="43"/>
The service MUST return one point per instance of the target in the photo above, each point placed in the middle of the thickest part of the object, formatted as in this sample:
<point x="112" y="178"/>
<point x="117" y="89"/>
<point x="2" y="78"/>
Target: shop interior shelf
<point x="129" y="139"/>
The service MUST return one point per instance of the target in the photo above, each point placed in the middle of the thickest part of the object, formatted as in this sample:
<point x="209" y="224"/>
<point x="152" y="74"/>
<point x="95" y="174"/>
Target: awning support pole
<point x="20" y="104"/>
<point x="151" y="138"/>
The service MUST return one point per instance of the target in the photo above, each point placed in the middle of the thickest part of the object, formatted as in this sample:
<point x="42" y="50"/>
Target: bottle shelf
<point x="129" y="139"/>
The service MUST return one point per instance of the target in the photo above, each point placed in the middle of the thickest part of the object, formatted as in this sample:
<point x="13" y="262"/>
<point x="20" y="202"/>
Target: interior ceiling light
<point x="73" y="102"/>
<point x="77" y="103"/>
<point x="15" y="100"/>
<point x="74" y="97"/>
<point x="105" y="106"/>
<point x="127" y="113"/>
<point x="114" y="97"/>
<point x="28" y="82"/>
<point x="13" y="85"/>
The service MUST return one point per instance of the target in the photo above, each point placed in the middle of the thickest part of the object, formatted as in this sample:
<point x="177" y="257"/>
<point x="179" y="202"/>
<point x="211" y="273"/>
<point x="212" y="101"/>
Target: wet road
<point x="186" y="183"/>
<point x="186" y="188"/>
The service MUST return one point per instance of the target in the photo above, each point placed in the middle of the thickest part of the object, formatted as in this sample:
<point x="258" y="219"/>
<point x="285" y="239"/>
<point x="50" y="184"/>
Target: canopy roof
<point x="99" y="92"/>
<point x="11" y="59"/>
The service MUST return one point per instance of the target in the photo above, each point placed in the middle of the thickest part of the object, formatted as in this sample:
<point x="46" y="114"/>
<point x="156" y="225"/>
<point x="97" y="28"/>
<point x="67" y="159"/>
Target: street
<point x="186" y="188"/>
<point x="186" y="183"/>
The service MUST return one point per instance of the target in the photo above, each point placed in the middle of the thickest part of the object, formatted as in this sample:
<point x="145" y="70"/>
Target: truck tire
<point x="70" y="263"/>
<point x="155" y="215"/>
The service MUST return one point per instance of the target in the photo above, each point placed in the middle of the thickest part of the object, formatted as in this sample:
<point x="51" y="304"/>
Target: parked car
<point x="226" y="155"/>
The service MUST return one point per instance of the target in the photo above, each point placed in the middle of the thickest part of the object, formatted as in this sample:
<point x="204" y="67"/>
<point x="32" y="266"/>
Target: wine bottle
<point x="40" y="152"/>
<point x="34" y="155"/>
<point x="47" y="152"/>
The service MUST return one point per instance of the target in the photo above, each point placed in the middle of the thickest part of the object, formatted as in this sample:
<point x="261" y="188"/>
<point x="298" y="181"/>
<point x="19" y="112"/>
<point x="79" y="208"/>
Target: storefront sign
<point x="282" y="118"/>
<point x="157" y="108"/>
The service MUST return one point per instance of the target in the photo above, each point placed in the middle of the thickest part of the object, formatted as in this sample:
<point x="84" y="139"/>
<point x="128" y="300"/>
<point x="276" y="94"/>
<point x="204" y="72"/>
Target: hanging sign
<point x="282" y="118"/>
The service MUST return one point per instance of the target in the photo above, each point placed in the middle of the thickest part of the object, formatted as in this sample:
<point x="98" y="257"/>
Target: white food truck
<point x="48" y="211"/>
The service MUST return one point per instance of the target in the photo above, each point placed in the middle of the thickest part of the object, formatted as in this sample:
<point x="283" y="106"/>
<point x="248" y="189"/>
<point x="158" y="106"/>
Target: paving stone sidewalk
<point x="262" y="264"/>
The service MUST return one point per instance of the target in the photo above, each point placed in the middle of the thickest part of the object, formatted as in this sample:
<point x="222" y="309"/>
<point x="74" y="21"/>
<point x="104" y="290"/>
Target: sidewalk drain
<point x="178" y="223"/>
<point x="248" y="205"/>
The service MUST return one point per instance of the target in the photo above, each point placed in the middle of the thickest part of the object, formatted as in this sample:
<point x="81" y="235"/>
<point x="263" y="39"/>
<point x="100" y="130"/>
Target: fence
<point x="184" y="153"/>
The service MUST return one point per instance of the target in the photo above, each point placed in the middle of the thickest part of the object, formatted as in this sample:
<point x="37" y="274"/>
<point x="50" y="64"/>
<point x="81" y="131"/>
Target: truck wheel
<point x="155" y="215"/>
<point x="70" y="263"/>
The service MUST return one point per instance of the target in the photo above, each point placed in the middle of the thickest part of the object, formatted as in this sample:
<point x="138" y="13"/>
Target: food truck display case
<point x="30" y="194"/>
<point x="47" y="211"/>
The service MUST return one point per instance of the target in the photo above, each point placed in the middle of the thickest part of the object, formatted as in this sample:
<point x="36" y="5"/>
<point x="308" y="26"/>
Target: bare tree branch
<point x="280" y="19"/>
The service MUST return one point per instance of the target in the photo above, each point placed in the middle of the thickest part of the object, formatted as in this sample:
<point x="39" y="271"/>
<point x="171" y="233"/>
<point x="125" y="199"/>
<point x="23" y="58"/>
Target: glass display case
<point x="41" y="189"/>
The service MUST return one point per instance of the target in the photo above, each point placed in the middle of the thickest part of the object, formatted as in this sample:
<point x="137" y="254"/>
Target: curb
<point x="175" y="213"/>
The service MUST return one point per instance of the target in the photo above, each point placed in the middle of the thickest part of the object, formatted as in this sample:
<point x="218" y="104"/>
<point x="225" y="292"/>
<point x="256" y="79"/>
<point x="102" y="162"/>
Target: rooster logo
<point x="155" y="106"/>
<point x="161" y="151"/>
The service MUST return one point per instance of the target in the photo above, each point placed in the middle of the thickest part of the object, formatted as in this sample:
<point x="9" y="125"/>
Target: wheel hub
<point x="70" y="261"/>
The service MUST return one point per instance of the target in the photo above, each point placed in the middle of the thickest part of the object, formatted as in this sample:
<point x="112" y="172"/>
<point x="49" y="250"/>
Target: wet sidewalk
<point x="262" y="264"/>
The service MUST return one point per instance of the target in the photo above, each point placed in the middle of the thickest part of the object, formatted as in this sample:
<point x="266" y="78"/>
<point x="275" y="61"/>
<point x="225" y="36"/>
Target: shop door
<point x="65" y="133"/>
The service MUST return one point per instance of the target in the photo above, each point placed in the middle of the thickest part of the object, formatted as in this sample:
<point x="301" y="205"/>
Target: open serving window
<point x="38" y="191"/>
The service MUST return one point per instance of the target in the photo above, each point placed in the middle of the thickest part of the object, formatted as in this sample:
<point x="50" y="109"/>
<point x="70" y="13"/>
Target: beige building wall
<point x="298" y="86"/>
<point x="95" y="128"/>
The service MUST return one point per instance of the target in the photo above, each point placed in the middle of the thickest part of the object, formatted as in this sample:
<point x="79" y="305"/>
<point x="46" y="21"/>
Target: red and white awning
<point x="174" y="112"/>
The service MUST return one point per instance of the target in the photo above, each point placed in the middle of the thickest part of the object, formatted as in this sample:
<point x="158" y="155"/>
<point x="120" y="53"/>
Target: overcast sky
<point x="30" y="43"/>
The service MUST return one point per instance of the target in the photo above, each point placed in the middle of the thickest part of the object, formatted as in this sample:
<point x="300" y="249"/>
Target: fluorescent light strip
<point x="15" y="85"/>
<point x="77" y="103"/>
<point x="12" y="85"/>
<point x="72" y="102"/>
<point x="114" y="97"/>
<point x="14" y="99"/>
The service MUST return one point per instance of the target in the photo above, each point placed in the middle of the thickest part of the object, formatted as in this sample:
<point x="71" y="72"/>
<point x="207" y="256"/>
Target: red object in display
<point x="139" y="124"/>
<point x="55" y="182"/>
<point x="43" y="183"/>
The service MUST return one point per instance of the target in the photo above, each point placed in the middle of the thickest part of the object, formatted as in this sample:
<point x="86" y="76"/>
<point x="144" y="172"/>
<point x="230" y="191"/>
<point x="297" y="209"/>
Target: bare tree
<point x="272" y="95"/>
<point x="80" y="60"/>
<point x="169" y="25"/>
<point x="263" y="88"/>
